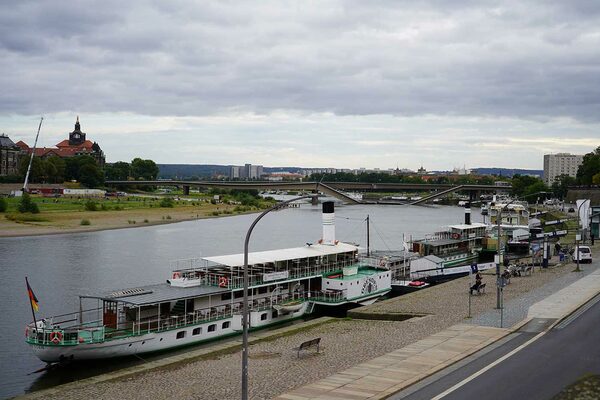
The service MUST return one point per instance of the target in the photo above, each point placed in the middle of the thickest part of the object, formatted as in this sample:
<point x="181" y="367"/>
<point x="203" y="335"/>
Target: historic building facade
<point x="9" y="156"/>
<point x="75" y="145"/>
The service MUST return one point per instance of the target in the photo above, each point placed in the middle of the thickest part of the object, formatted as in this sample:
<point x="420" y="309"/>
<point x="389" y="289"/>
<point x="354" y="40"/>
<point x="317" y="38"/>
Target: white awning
<point x="261" y="257"/>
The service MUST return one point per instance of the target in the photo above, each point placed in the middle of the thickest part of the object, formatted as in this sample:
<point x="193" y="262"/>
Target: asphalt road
<point x="539" y="370"/>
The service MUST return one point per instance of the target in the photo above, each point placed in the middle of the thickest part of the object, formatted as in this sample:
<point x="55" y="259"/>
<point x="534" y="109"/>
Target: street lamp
<point x="245" y="306"/>
<point x="498" y="221"/>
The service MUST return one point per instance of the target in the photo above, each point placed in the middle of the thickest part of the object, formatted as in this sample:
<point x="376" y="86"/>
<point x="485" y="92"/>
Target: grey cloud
<point x="517" y="59"/>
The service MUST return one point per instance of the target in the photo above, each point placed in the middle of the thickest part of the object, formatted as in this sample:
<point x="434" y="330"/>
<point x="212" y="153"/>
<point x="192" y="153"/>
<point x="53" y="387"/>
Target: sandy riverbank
<point x="52" y="223"/>
<point x="274" y="367"/>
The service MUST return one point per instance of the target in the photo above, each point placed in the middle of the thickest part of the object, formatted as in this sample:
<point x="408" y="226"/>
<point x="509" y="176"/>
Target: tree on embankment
<point x="589" y="170"/>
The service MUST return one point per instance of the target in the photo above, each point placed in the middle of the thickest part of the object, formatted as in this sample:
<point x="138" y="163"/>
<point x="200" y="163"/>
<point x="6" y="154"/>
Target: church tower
<point x="76" y="137"/>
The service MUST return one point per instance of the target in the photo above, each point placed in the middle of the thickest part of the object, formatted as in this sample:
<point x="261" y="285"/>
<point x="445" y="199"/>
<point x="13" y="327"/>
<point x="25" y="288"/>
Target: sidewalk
<point x="388" y="374"/>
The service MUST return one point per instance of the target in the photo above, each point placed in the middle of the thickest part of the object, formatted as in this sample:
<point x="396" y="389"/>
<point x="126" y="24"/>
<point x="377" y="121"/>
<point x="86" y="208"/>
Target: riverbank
<point x="52" y="223"/>
<point x="274" y="367"/>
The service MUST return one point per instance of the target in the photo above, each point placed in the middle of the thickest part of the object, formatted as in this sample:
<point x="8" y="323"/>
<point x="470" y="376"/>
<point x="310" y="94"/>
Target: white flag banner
<point x="584" y="212"/>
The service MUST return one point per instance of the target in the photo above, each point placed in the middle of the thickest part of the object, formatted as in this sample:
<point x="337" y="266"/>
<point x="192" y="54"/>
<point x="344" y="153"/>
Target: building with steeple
<point x="75" y="145"/>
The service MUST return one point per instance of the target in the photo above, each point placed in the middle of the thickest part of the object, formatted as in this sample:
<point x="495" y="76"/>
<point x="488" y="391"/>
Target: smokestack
<point x="468" y="214"/>
<point x="328" y="223"/>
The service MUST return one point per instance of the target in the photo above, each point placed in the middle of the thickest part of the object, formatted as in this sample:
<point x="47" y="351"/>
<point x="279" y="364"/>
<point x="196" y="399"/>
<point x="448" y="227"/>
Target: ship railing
<point x="188" y="264"/>
<point x="329" y="296"/>
<point x="255" y="277"/>
<point x="60" y="336"/>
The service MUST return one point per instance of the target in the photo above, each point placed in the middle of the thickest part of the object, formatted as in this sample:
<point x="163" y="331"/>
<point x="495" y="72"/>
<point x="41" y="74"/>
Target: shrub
<point x="3" y="204"/>
<point x="91" y="205"/>
<point x="27" y="205"/>
<point x="85" y="222"/>
<point x="167" y="202"/>
<point x="146" y="221"/>
<point x="168" y="217"/>
<point x="118" y="208"/>
<point x="215" y="213"/>
<point x="104" y="207"/>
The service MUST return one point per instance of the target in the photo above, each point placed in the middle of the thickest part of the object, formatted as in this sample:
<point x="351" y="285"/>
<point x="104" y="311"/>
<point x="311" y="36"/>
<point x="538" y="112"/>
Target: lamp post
<point x="245" y="306"/>
<point x="498" y="221"/>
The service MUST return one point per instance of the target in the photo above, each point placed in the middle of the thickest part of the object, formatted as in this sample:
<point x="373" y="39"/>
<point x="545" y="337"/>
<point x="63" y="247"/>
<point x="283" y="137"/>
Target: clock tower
<point x="76" y="137"/>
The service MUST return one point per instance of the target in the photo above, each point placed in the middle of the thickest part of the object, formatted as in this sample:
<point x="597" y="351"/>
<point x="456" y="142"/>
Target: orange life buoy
<point x="455" y="236"/>
<point x="176" y="275"/>
<point x="56" y="337"/>
<point x="223" y="281"/>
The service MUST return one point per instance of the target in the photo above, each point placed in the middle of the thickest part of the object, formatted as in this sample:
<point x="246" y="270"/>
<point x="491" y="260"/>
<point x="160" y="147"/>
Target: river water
<point x="60" y="267"/>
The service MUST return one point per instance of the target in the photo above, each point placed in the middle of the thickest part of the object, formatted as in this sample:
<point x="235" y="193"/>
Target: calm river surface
<point x="60" y="267"/>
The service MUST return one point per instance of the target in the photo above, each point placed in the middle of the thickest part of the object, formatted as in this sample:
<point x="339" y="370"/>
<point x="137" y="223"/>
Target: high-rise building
<point x="560" y="164"/>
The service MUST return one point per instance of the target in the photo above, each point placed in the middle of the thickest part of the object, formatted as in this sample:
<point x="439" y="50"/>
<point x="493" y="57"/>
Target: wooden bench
<point x="308" y="344"/>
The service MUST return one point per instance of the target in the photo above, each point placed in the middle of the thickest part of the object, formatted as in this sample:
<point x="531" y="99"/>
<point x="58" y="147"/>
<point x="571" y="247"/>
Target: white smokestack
<point x="328" y="223"/>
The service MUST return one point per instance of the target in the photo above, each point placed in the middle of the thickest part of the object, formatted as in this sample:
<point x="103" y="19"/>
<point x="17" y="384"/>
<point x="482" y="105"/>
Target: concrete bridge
<point x="334" y="189"/>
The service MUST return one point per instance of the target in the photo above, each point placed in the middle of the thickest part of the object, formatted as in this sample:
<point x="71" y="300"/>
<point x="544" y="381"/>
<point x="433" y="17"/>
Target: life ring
<point x="176" y="275"/>
<point x="56" y="337"/>
<point x="382" y="262"/>
<point x="223" y="281"/>
<point x="455" y="236"/>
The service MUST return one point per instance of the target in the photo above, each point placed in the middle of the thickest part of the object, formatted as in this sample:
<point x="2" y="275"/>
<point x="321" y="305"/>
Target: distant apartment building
<point x="246" y="172"/>
<point x="560" y="164"/>
<point x="9" y="156"/>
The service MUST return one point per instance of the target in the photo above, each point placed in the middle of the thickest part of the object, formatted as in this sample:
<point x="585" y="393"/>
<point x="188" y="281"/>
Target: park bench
<point x="308" y="344"/>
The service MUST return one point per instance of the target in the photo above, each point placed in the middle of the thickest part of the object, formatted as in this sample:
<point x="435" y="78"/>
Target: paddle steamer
<point x="202" y="300"/>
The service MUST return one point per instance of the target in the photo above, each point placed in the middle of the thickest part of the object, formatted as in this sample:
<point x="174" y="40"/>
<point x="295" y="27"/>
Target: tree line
<point x="83" y="169"/>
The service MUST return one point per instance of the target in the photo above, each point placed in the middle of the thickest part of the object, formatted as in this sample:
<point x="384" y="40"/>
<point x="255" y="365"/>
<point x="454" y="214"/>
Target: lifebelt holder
<point x="56" y="337"/>
<point x="223" y="281"/>
<point x="176" y="275"/>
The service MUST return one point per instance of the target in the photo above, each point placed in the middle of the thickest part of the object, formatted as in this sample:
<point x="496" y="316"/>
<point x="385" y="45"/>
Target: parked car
<point x="583" y="253"/>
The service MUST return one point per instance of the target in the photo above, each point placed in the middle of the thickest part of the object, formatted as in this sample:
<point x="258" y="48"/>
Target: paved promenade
<point x="390" y="373"/>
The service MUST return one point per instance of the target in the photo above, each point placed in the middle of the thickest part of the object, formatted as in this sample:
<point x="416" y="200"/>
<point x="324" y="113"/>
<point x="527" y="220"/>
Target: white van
<point x="583" y="253"/>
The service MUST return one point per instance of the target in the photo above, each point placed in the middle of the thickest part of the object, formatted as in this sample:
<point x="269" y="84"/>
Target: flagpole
<point x="31" y="304"/>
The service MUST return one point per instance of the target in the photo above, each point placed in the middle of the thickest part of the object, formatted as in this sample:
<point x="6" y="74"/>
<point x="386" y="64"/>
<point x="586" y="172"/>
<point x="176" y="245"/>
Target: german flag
<point x="32" y="298"/>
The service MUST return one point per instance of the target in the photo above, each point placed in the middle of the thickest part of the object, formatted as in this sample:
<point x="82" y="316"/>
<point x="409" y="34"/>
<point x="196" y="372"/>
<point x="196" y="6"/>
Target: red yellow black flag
<point x="32" y="298"/>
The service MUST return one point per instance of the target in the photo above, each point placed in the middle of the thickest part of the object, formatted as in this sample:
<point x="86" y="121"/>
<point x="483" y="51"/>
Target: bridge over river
<point x="334" y="189"/>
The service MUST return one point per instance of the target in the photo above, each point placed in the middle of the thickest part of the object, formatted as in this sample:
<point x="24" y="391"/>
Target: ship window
<point x="263" y="316"/>
<point x="180" y="335"/>
<point x="238" y="294"/>
<point x="197" y="331"/>
<point x="262" y="289"/>
<point x="225" y="325"/>
<point x="226" y="296"/>
<point x="212" y="328"/>
<point x="341" y="283"/>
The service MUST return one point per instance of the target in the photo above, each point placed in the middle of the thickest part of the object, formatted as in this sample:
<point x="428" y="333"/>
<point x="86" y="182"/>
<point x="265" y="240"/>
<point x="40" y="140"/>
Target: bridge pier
<point x="186" y="190"/>
<point x="315" y="200"/>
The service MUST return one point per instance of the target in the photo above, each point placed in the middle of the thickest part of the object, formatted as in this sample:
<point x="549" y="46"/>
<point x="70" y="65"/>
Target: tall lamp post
<point x="245" y="306"/>
<point x="498" y="221"/>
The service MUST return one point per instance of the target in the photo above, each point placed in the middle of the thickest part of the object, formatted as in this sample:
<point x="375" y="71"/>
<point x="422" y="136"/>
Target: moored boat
<point x="202" y="300"/>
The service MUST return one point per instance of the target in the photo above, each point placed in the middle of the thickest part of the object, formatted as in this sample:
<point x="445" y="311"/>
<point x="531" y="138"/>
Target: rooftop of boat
<point x="270" y="256"/>
<point x="158" y="293"/>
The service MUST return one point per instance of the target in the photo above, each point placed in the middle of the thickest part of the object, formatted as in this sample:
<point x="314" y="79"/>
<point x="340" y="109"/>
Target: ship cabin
<point x="452" y="243"/>
<point x="511" y="213"/>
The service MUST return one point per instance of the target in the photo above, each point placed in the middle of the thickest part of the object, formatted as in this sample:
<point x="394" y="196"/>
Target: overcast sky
<point x="344" y="84"/>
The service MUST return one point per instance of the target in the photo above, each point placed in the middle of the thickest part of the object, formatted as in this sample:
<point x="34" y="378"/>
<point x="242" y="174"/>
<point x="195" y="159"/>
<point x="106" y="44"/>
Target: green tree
<point x="144" y="169"/>
<point x="589" y="167"/>
<point x="561" y="185"/>
<point x="55" y="169"/>
<point x="91" y="176"/>
<point x="27" y="205"/>
<point x="521" y="184"/>
<point x="37" y="168"/>
<point x="3" y="204"/>
<point x="74" y="165"/>
<point x="118" y="171"/>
